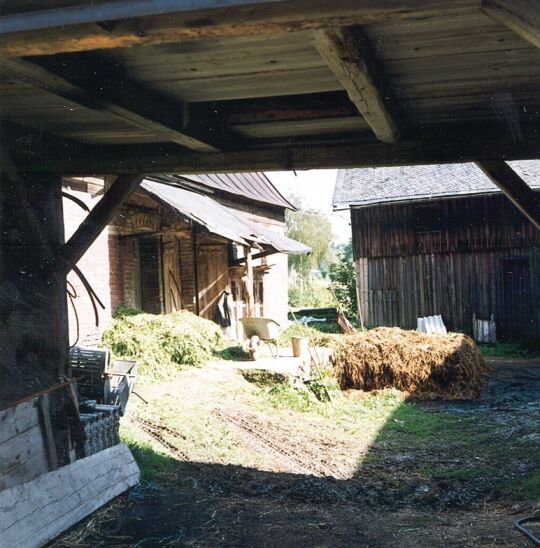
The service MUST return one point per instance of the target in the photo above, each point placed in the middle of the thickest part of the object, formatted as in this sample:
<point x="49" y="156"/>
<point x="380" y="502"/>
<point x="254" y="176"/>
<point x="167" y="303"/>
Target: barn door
<point x="149" y="275"/>
<point x="516" y="313"/>
<point x="171" y="274"/>
<point x="213" y="274"/>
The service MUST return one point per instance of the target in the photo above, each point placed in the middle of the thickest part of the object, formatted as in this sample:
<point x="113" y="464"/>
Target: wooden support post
<point x="99" y="217"/>
<point x="514" y="187"/>
<point x="249" y="281"/>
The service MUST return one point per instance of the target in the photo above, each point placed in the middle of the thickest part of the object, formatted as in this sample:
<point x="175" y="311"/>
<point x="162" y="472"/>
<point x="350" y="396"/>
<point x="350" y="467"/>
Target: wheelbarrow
<point x="261" y="330"/>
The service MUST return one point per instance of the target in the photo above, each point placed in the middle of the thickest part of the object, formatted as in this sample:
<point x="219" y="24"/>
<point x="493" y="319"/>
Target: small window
<point x="427" y="219"/>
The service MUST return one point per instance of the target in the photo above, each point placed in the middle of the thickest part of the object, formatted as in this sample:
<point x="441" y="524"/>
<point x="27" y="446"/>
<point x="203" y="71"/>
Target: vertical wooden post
<point x="33" y="306"/>
<point x="249" y="281"/>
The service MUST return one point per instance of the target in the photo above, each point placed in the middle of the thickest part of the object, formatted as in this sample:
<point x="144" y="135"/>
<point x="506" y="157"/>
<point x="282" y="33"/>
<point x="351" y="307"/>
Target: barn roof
<point x="370" y="186"/>
<point x="254" y="186"/>
<point x="219" y="219"/>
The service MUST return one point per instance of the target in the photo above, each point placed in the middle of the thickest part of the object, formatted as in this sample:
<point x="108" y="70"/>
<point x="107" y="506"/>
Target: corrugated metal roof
<point x="219" y="219"/>
<point x="253" y="185"/>
<point x="370" y="186"/>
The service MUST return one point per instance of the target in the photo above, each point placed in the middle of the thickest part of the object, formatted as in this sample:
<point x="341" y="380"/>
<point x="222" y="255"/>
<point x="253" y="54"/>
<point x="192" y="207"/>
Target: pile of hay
<point x="425" y="366"/>
<point x="163" y="344"/>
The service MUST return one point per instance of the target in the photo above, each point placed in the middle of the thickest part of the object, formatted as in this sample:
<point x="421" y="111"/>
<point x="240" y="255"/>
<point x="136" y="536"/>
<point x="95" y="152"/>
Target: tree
<point x="313" y="229"/>
<point x="343" y="281"/>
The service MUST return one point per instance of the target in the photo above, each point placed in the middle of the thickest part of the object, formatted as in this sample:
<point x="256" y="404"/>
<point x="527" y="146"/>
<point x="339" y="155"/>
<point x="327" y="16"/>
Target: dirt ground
<point x="229" y="463"/>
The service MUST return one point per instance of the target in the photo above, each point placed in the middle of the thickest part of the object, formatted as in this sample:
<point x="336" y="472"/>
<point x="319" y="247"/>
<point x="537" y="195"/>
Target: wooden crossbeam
<point x="462" y="144"/>
<point x="99" y="217"/>
<point x="102" y="25"/>
<point x="521" y="16"/>
<point x="348" y="57"/>
<point x="45" y="79"/>
<point x="514" y="187"/>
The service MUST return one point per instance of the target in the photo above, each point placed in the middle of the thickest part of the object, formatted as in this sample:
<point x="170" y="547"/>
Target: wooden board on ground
<point x="35" y="512"/>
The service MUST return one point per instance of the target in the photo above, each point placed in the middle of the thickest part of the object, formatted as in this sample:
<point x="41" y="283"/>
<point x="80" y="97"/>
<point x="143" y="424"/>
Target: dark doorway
<point x="516" y="315"/>
<point x="149" y="275"/>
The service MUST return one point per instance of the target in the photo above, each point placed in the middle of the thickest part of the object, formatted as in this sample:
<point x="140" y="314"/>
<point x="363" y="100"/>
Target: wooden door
<point x="213" y="277"/>
<point x="171" y="274"/>
<point x="149" y="269"/>
<point x="516" y="315"/>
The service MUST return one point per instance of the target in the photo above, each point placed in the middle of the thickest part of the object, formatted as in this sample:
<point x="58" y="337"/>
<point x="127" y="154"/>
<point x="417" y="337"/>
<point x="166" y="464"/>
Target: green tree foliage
<point x="343" y="281"/>
<point x="313" y="229"/>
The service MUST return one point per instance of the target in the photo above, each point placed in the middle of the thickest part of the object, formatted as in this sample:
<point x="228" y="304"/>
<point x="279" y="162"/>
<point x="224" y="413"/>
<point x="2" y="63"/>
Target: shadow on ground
<point x="437" y="474"/>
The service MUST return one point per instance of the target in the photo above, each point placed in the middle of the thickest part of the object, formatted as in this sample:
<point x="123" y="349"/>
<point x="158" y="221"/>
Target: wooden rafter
<point x="99" y="217"/>
<point x="521" y="16"/>
<point x="92" y="26"/>
<point x="349" y="59"/>
<point x="514" y="187"/>
<point x="45" y="79"/>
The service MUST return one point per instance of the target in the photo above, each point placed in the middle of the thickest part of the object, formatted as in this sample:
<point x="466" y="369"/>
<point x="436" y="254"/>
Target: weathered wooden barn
<point x="442" y="239"/>
<point x="178" y="243"/>
<point x="131" y="88"/>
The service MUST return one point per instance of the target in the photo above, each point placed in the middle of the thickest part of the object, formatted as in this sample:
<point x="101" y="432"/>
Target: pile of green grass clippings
<point x="314" y="336"/>
<point x="163" y="344"/>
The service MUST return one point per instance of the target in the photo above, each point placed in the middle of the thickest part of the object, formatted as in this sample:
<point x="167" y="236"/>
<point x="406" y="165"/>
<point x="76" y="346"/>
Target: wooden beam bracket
<point x="514" y="187"/>
<point x="349" y="58"/>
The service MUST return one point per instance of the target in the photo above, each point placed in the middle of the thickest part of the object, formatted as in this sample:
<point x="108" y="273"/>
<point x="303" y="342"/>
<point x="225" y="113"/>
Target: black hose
<point x="519" y="524"/>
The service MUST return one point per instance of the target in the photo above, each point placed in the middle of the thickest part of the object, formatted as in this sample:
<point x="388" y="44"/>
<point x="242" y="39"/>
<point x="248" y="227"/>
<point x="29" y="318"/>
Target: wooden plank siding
<point x="485" y="260"/>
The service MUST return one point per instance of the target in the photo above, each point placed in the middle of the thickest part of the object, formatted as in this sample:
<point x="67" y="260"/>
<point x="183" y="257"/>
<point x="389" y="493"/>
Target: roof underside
<point x="244" y="85"/>
<point x="385" y="185"/>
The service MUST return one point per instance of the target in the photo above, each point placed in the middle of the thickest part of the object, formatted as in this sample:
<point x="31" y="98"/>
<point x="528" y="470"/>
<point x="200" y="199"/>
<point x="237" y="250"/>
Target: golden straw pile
<point x="426" y="366"/>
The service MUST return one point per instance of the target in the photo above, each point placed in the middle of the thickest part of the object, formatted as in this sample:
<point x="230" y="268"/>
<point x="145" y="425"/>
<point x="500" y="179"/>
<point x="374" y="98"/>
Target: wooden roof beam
<point x="348" y="57"/>
<point x="115" y="24"/>
<point x="514" y="187"/>
<point x="521" y="16"/>
<point x="37" y="76"/>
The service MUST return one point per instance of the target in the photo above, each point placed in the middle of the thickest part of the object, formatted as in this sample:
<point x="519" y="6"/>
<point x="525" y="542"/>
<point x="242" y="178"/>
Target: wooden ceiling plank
<point x="349" y="60"/>
<point x="514" y="187"/>
<point x="42" y="78"/>
<point x="521" y="16"/>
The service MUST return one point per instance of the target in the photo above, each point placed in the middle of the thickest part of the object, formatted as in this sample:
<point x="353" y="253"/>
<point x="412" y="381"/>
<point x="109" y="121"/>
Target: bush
<point x="163" y="344"/>
<point x="309" y="296"/>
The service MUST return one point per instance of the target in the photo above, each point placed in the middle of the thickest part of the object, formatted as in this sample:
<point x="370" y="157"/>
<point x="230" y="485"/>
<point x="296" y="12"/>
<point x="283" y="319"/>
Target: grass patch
<point x="154" y="464"/>
<point x="164" y="344"/>
<point x="508" y="350"/>
<point x="524" y="488"/>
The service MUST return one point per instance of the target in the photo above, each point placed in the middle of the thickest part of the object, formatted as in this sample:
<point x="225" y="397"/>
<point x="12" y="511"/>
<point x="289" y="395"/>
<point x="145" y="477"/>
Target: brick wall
<point x="96" y="266"/>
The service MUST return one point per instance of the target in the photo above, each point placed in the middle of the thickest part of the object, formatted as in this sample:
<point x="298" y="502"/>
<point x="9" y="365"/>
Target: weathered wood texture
<point x="515" y="188"/>
<point x="23" y="454"/>
<point x="483" y="261"/>
<point x="521" y="16"/>
<point x="197" y="20"/>
<point x="120" y="107"/>
<point x="99" y="217"/>
<point x="33" y="311"/>
<point x="349" y="57"/>
<point x="213" y="274"/>
<point x="33" y="513"/>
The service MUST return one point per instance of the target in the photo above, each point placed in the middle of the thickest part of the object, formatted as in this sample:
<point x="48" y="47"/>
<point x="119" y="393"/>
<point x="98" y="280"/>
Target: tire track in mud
<point x="267" y="440"/>
<point x="155" y="431"/>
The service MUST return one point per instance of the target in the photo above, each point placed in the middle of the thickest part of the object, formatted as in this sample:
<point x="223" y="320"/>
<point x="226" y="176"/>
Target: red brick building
<point x="179" y="243"/>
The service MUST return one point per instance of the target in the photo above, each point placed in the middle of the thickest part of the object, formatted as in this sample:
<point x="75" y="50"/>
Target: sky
<point x="315" y="189"/>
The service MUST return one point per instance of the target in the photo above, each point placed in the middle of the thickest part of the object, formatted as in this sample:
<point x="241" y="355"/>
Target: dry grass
<point x="426" y="366"/>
